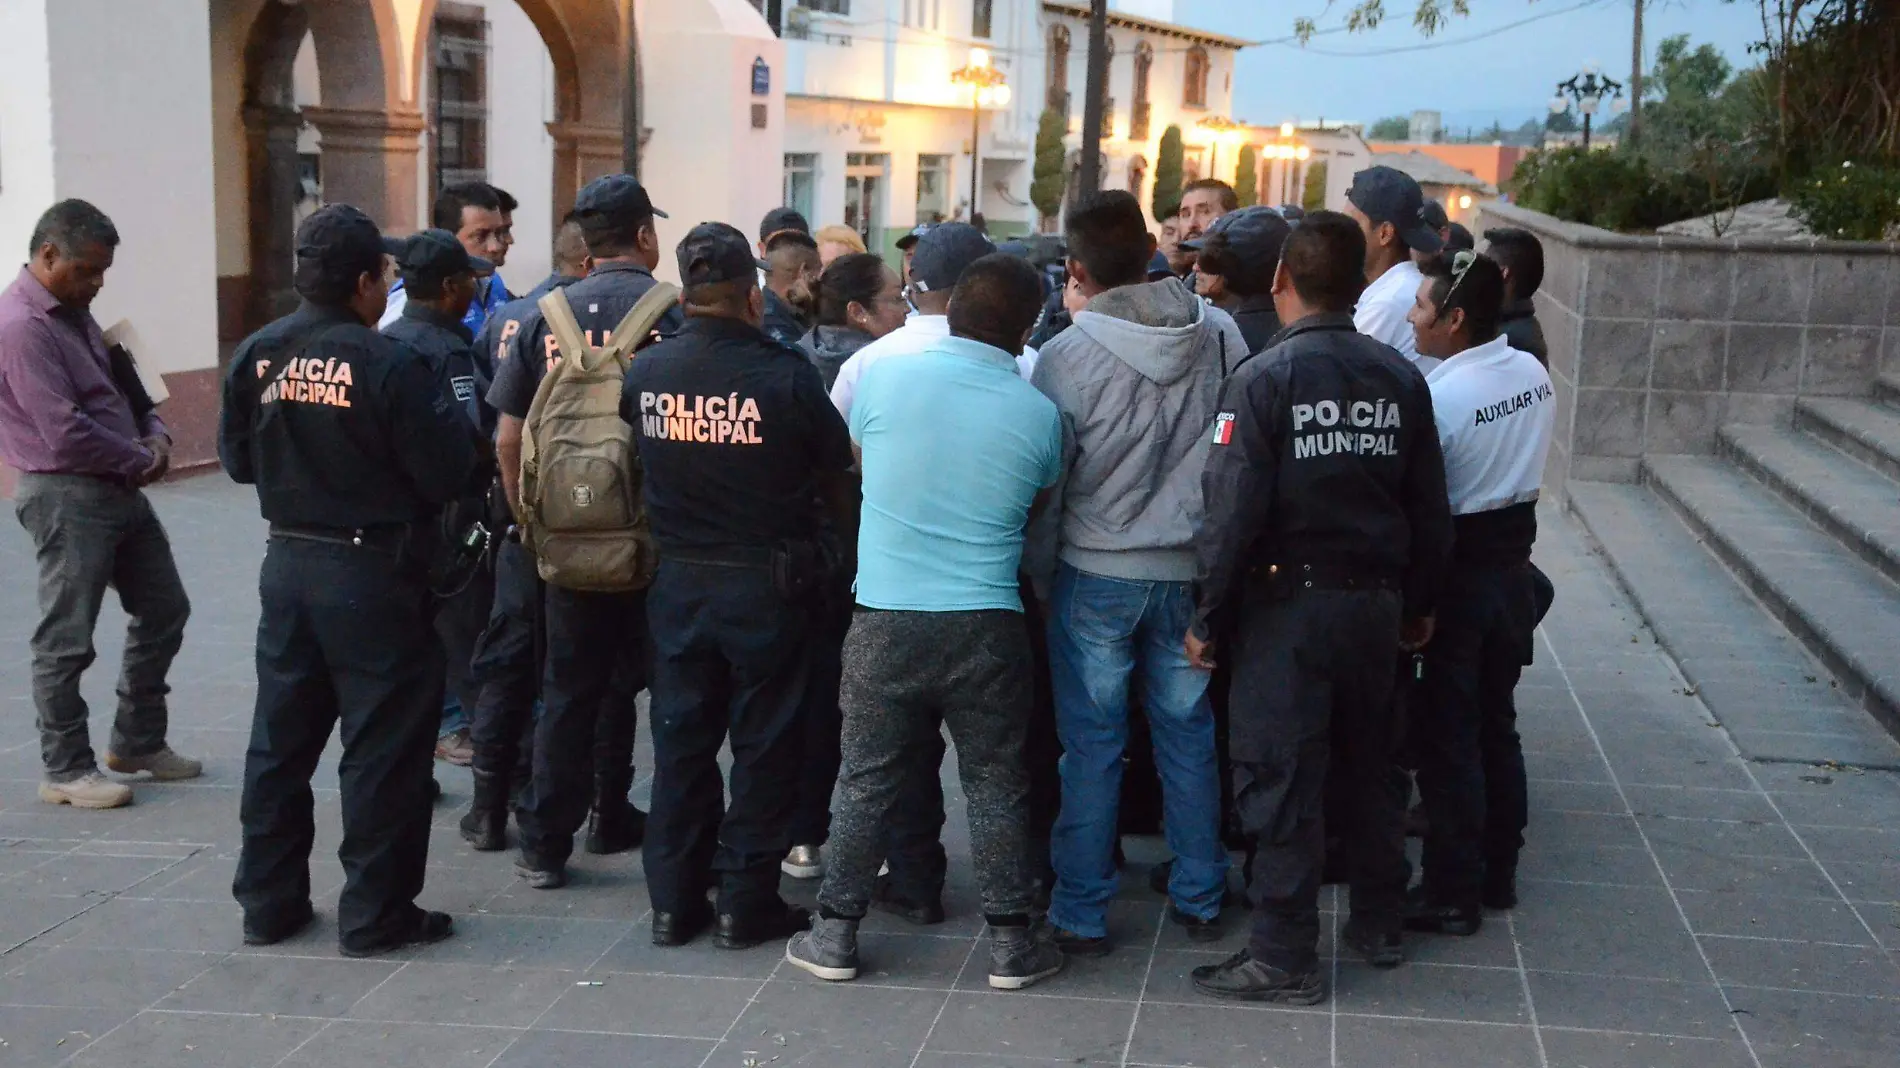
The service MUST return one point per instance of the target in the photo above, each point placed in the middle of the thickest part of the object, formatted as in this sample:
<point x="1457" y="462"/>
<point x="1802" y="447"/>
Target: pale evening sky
<point x="1508" y="76"/>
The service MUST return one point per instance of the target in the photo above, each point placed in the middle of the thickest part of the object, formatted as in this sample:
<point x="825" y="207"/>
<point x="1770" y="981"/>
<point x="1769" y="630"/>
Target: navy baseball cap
<point x="779" y="220"/>
<point x="1247" y="231"/>
<point x="337" y="244"/>
<point x="716" y="252"/>
<point x="1387" y="195"/>
<point x="944" y="254"/>
<point x="435" y="255"/>
<point x="613" y="200"/>
<point x="909" y="241"/>
<point x="1434" y="215"/>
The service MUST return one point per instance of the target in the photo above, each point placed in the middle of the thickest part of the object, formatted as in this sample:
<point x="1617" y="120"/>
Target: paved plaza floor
<point x="1680" y="907"/>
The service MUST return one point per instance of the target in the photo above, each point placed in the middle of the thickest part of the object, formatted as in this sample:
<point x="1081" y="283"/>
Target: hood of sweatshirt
<point x="828" y="347"/>
<point x="1155" y="328"/>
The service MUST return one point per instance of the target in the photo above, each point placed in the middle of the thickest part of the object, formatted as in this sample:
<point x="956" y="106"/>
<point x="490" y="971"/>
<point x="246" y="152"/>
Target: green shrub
<point x="1623" y="191"/>
<point x="1049" y="177"/>
<point x="1170" y="161"/>
<point x="1247" y="177"/>
<point x="1849" y="202"/>
<point x="1313" y="194"/>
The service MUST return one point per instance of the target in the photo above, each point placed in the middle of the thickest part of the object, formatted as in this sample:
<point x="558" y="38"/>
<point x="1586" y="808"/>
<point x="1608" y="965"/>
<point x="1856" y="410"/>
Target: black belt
<point x="386" y="537"/>
<point x="745" y="556"/>
<point x="1290" y="578"/>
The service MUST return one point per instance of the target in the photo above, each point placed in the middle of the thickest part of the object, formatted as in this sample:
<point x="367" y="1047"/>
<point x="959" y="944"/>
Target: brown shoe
<point x="165" y="765"/>
<point x="455" y="748"/>
<point x="92" y="790"/>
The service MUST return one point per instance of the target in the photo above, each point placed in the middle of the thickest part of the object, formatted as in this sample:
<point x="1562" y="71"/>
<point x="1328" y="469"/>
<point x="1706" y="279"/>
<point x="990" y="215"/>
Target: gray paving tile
<point x="412" y="1045"/>
<point x="918" y="960"/>
<point x="630" y="1003"/>
<point x="528" y="942"/>
<point x="1575" y="797"/>
<point x="82" y="875"/>
<point x="464" y="994"/>
<point x="1588" y="830"/>
<point x="1679" y="803"/>
<point x="1697" y="869"/>
<point x="1365" y="1042"/>
<point x="290" y="986"/>
<point x="80" y="977"/>
<point x="1805" y="966"/>
<point x="568" y="1049"/>
<point x="1857" y="844"/>
<point x="1213" y="1035"/>
<point x="40" y="1038"/>
<point x="186" y="1040"/>
<point x="1423" y="990"/>
<point x="1607" y="931"/>
<point x="1557" y="861"/>
<point x="635" y="952"/>
<point x="1723" y="838"/>
<point x="1595" y="1049"/>
<point x="1829" y="1029"/>
<point x="1867" y="882"/>
<point x="1000" y="1023"/>
<point x="25" y="917"/>
<point x="176" y="925"/>
<point x="1649" y="1006"/>
<point x="1764" y="916"/>
<point x="826" y="1023"/>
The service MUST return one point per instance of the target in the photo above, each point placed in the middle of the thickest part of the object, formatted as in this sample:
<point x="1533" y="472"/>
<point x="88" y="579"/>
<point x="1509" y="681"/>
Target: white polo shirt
<point x="1495" y="413"/>
<point x="1383" y="307"/>
<point x="919" y="333"/>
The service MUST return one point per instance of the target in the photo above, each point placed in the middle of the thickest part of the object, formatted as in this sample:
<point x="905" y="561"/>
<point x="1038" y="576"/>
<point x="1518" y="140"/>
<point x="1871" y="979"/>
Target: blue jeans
<point x="1101" y="630"/>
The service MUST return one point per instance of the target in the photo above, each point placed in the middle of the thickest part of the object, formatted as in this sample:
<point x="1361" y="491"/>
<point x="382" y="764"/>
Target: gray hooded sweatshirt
<point x="1137" y="382"/>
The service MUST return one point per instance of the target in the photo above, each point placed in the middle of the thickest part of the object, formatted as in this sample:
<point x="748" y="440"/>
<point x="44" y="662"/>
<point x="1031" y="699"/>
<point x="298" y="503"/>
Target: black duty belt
<point x="1291" y="578"/>
<point x="386" y="537"/>
<point x="752" y="557"/>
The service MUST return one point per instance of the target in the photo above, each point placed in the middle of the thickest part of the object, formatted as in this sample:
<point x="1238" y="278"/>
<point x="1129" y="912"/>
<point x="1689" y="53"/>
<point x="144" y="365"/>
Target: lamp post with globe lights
<point x="1588" y="88"/>
<point x="989" y="88"/>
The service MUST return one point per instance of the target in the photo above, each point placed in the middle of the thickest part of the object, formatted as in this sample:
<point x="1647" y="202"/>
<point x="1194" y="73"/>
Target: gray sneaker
<point x="1022" y="957"/>
<point x="829" y="950"/>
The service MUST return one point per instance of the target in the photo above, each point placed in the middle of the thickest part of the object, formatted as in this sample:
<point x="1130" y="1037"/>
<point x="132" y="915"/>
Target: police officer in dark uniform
<point x="1234" y="269"/>
<point x="353" y="450"/>
<point x="1495" y="413"/>
<point x="737" y="442"/>
<point x="441" y="279"/>
<point x="1326" y="527"/>
<point x="597" y="645"/>
<point x="508" y="656"/>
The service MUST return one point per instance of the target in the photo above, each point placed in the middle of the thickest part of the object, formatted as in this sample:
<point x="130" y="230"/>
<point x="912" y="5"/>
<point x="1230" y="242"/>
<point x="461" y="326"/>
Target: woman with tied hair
<point x="858" y="300"/>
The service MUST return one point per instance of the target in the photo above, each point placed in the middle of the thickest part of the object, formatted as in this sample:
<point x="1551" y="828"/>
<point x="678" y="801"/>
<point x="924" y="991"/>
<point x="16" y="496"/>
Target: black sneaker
<point x="269" y="934"/>
<point x="1443" y="919"/>
<point x="1160" y="875"/>
<point x="1198" y="930"/>
<point x="1022" y="957"/>
<point x="1241" y="978"/>
<point x="885" y="898"/>
<point x="541" y="874"/>
<point x="1076" y="945"/>
<point x="829" y="950"/>
<point x="1381" y="949"/>
<point x="426" y="928"/>
<point x="744" y="932"/>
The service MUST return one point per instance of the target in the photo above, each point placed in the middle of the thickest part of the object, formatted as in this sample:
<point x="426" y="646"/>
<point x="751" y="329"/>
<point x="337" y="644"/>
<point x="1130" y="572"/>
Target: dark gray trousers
<point x="905" y="673"/>
<point x="91" y="535"/>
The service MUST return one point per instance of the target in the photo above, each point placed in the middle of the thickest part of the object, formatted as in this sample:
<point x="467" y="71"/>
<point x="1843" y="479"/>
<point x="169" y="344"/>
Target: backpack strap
<point x="567" y="332"/>
<point x="639" y="320"/>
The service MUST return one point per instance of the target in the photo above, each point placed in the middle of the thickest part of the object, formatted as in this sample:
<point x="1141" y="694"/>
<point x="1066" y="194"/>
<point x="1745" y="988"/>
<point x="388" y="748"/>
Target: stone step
<point x="1849" y="500"/>
<point x="1869" y="432"/>
<point x="1756" y="679"/>
<point x="1887" y="389"/>
<point x="1846" y="613"/>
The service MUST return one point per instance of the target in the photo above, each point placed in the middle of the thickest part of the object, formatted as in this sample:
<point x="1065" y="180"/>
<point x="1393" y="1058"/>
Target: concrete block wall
<point x="1657" y="342"/>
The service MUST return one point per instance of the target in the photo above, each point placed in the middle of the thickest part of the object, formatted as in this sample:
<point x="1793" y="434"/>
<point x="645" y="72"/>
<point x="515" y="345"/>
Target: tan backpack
<point x="580" y="507"/>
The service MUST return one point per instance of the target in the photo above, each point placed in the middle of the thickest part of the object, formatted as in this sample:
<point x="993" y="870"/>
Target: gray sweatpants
<point x="905" y="673"/>
<point x="91" y="535"/>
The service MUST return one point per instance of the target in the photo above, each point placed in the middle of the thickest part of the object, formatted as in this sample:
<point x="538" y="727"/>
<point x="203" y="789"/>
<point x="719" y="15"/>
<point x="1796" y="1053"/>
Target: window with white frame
<point x="933" y="188"/>
<point x="801" y="182"/>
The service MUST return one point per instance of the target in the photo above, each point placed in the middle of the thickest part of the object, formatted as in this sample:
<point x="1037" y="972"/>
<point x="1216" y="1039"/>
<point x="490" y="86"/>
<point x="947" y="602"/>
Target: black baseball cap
<point x="337" y="244"/>
<point x="779" y="220"/>
<point x="1434" y="214"/>
<point x="716" y="252"/>
<point x="613" y="201"/>
<point x="1250" y="233"/>
<point x="436" y="255"/>
<point x="944" y="254"/>
<point x="1392" y="196"/>
<point x="909" y="241"/>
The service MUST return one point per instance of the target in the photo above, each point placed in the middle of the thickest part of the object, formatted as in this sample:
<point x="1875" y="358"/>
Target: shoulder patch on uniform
<point x="1224" y="428"/>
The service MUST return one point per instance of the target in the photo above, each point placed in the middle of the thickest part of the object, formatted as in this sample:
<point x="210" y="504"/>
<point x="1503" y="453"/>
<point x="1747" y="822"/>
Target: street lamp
<point x="1588" y="88"/>
<point x="989" y="87"/>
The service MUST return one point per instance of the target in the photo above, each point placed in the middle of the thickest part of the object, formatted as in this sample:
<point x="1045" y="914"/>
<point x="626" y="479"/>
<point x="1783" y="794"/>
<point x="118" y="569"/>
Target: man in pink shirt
<point x="83" y="452"/>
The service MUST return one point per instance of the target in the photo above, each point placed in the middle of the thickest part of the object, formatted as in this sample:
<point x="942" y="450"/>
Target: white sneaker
<point x="165" y="765"/>
<point x="93" y="790"/>
<point x="803" y="862"/>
